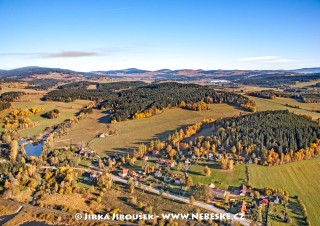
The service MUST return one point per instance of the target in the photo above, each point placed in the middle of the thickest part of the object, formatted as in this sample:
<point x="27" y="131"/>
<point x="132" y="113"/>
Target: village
<point x="157" y="171"/>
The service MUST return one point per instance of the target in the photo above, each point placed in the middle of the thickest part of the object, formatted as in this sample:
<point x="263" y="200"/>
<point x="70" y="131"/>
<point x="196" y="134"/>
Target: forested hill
<point x="262" y="133"/>
<point x="137" y="100"/>
<point x="148" y="99"/>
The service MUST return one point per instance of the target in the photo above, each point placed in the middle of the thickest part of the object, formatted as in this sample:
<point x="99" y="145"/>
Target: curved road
<point x="202" y="205"/>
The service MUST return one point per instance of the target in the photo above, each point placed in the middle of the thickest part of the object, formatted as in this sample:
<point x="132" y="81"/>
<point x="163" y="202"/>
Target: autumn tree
<point x="189" y="181"/>
<point x="207" y="171"/>
<point x="192" y="200"/>
<point x="13" y="150"/>
<point x="233" y="149"/>
<point x="230" y="164"/>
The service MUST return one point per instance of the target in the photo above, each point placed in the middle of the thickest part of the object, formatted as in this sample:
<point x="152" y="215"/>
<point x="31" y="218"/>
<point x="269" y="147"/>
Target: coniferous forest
<point x="147" y="100"/>
<point x="270" y="135"/>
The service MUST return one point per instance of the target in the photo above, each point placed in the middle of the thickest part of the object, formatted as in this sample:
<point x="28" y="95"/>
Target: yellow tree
<point x="233" y="149"/>
<point x="13" y="150"/>
<point x="207" y="171"/>
<point x="230" y="165"/>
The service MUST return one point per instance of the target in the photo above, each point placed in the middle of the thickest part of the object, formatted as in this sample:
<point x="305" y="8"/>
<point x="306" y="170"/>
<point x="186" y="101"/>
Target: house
<point x="144" y="158"/>
<point x="131" y="173"/>
<point x="210" y="156"/>
<point x="161" y="161"/>
<point x="82" y="151"/>
<point x="86" y="179"/>
<point x="177" y="181"/>
<point x="241" y="158"/>
<point x="242" y="207"/>
<point x="124" y="172"/>
<point x="158" y="174"/>
<point x="218" y="157"/>
<point x="275" y="199"/>
<point x="155" y="152"/>
<point x="218" y="193"/>
<point x="170" y="163"/>
<point x="243" y="190"/>
<point x="263" y="201"/>
<point x="212" y="185"/>
<point x="94" y="175"/>
<point x="167" y="179"/>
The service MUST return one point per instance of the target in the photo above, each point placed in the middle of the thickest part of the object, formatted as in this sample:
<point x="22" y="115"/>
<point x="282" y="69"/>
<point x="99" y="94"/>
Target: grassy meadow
<point x="234" y="177"/>
<point x="279" y="104"/>
<point x="133" y="132"/>
<point x="304" y="84"/>
<point x="67" y="110"/>
<point x="298" y="178"/>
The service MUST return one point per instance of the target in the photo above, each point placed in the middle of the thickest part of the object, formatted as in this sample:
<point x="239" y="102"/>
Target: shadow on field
<point x="105" y="119"/>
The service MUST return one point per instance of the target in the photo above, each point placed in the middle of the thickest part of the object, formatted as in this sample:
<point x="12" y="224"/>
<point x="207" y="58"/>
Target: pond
<point x="34" y="149"/>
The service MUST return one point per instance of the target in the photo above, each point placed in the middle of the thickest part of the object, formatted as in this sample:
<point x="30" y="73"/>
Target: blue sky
<point x="155" y="34"/>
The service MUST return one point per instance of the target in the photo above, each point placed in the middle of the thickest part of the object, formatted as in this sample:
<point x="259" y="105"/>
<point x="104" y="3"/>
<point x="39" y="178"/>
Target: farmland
<point x="298" y="178"/>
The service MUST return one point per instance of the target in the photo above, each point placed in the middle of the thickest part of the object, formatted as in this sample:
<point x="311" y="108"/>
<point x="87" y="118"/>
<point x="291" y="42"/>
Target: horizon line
<point x="154" y="70"/>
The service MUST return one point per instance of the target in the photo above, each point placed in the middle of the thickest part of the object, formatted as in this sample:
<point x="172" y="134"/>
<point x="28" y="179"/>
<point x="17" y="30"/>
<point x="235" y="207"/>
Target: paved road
<point x="202" y="205"/>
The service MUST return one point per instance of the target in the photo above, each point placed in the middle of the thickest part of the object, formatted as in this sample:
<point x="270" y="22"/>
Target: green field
<point x="234" y="177"/>
<point x="304" y="84"/>
<point x="279" y="104"/>
<point x="67" y="110"/>
<point x="133" y="132"/>
<point x="298" y="178"/>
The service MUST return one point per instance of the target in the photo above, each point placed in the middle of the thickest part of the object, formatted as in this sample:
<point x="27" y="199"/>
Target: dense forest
<point x="305" y="95"/>
<point x="146" y="100"/>
<point x="78" y="90"/>
<point x="276" y="80"/>
<point x="10" y="96"/>
<point x="311" y="98"/>
<point x="278" y="132"/>
<point x="159" y="96"/>
<point x="42" y="84"/>
<point x="272" y="94"/>
<point x="4" y="106"/>
<point x="111" y="86"/>
<point x="7" y="97"/>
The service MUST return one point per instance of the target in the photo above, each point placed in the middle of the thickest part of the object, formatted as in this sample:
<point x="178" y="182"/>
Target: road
<point x="202" y="205"/>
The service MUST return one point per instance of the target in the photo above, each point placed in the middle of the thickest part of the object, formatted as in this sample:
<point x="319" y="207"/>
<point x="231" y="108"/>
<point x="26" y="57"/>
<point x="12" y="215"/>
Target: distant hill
<point x="164" y="74"/>
<point x="32" y="70"/>
<point x="307" y="70"/>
